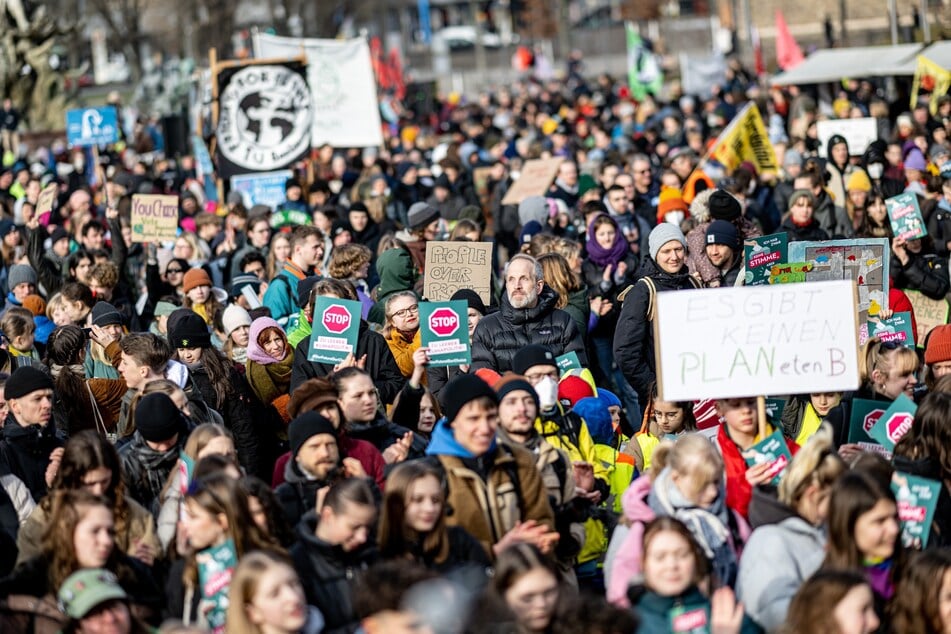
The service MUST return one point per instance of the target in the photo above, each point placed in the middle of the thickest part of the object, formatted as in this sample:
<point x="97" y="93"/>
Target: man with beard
<point x="527" y="315"/>
<point x="723" y="251"/>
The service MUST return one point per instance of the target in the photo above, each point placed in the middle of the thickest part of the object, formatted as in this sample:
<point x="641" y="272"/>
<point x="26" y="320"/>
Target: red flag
<point x="379" y="64"/>
<point x="757" y="52"/>
<point x="788" y="53"/>
<point x="395" y="64"/>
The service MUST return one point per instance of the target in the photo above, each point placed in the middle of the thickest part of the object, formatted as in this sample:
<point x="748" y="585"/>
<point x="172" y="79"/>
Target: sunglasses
<point x="169" y="271"/>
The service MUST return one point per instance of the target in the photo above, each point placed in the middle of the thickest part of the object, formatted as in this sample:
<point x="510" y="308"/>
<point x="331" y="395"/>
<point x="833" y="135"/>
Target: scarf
<point x="605" y="257"/>
<point x="709" y="526"/>
<point x="569" y="189"/>
<point x="879" y="575"/>
<point x="239" y="355"/>
<point x="271" y="381"/>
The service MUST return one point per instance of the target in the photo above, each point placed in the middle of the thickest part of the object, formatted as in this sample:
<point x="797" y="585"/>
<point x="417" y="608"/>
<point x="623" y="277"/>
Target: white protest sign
<point x="755" y="340"/>
<point x="858" y="133"/>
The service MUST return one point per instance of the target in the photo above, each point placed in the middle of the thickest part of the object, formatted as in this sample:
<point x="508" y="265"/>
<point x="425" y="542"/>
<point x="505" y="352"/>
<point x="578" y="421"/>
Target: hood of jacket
<point x="765" y="509"/>
<point x="443" y="442"/>
<point x="634" y="501"/>
<point x="547" y="299"/>
<point x="397" y="272"/>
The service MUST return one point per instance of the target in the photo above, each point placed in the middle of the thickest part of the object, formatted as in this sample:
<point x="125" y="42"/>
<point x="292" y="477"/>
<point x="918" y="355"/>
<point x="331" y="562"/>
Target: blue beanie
<point x="595" y="413"/>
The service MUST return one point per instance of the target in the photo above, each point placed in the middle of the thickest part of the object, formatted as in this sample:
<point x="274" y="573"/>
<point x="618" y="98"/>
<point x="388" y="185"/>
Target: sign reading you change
<point x="154" y="217"/>
<point x="748" y="341"/>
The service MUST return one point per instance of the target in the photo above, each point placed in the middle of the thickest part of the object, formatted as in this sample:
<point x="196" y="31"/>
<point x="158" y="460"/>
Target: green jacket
<point x="301" y="332"/>
<point x="397" y="273"/>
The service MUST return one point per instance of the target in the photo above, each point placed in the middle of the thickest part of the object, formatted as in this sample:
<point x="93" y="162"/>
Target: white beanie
<point x="234" y="317"/>
<point x="662" y="234"/>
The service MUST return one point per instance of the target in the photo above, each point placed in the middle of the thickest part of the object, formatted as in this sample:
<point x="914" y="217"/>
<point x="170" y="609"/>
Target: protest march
<point x="570" y="355"/>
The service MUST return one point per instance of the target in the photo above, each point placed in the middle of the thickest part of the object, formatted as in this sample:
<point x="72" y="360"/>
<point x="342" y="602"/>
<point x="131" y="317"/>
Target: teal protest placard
<point x="895" y="422"/>
<point x="773" y="451"/>
<point x="865" y="413"/>
<point x="335" y="332"/>
<point x="567" y="362"/>
<point x="215" y="568"/>
<point x="774" y="408"/>
<point x="917" y="500"/>
<point x="444" y="332"/>
<point x="760" y="254"/>
<point x="896" y="328"/>
<point x="905" y="216"/>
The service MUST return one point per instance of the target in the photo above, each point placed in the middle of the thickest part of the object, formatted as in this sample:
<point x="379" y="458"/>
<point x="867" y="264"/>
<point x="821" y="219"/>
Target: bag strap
<point x="100" y="424"/>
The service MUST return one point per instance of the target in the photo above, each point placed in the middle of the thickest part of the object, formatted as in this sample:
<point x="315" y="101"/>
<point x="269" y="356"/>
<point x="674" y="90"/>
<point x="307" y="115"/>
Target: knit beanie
<point x="512" y="382"/>
<point x="164" y="309"/>
<point x="24" y="380"/>
<point x="59" y="233"/>
<point x="572" y="389"/>
<point x="157" y="418"/>
<point x="669" y="200"/>
<point x="35" y="304"/>
<point x="305" y="426"/>
<point x="105" y="314"/>
<point x="858" y="181"/>
<point x="531" y="229"/>
<point x="20" y="273"/>
<point x="490" y="376"/>
<point x="938" y="345"/>
<point x="532" y="355"/>
<point x="915" y="160"/>
<point x="596" y="416"/>
<point x="723" y="206"/>
<point x="186" y="329"/>
<point x="662" y="234"/>
<point x="234" y="317"/>
<point x="533" y="208"/>
<point x="471" y="298"/>
<point x="195" y="277"/>
<point x="462" y="390"/>
<point x="420" y="214"/>
<point x="304" y="287"/>
<point x="723" y="232"/>
<point x="311" y="395"/>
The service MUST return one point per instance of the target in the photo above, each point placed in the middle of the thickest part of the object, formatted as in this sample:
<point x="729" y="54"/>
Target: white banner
<point x="340" y="75"/>
<point x="858" y="133"/>
<point x="757" y="340"/>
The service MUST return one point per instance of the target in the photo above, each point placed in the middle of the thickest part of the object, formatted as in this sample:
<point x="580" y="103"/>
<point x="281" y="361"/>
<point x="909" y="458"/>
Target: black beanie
<point x="471" y="298"/>
<point x="723" y="206"/>
<point x="186" y="329"/>
<point x="461" y="390"/>
<point x="105" y="314"/>
<point x="308" y="425"/>
<point x="512" y="382"/>
<point x="532" y="355"/>
<point x="157" y="419"/>
<point x="304" y="287"/>
<point x="24" y="380"/>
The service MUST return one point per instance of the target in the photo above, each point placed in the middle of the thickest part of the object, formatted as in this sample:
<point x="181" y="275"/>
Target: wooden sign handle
<point x="761" y="415"/>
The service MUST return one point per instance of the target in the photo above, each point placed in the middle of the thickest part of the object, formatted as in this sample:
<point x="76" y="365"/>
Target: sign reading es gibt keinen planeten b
<point x="748" y="341"/>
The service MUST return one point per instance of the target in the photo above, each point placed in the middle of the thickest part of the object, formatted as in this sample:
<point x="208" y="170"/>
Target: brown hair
<point x="669" y="524"/>
<point x="147" y="349"/>
<point x="813" y="607"/>
<point x="915" y="605"/>
<point x="17" y="322"/>
<point x="559" y="276"/>
<point x="346" y="259"/>
<point x="853" y="495"/>
<point x="244" y="586"/>
<point x="930" y="433"/>
<point x="396" y="539"/>
<point x="67" y="509"/>
<point x="106" y="273"/>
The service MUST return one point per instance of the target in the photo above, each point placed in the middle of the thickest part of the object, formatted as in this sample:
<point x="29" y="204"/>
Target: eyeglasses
<point x="536" y="378"/>
<point x="170" y="271"/>
<point x="666" y="415"/>
<point x="406" y="312"/>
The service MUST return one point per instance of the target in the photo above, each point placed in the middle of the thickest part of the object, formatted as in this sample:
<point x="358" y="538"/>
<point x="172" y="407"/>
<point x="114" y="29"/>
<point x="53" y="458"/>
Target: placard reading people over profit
<point x="454" y="265"/>
<point x="735" y="342"/>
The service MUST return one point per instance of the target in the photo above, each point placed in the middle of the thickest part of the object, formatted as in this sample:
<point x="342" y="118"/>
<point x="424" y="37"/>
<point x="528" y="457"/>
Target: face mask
<point x="547" y="390"/>
<point x="79" y="164"/>
<point x="875" y="170"/>
<point x="674" y="217"/>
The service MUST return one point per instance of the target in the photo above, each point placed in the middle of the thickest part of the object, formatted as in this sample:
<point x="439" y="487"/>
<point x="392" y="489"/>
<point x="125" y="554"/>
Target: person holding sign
<point x="915" y="267"/>
<point x="402" y="330"/>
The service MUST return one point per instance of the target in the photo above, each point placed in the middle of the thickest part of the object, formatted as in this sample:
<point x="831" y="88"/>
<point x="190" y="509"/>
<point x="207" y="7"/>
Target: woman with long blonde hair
<point x="267" y="598"/>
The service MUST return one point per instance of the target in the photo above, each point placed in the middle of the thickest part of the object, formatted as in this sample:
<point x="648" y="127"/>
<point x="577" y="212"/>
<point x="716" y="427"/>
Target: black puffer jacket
<point x="634" y="337"/>
<point x="500" y="335"/>
<point x="924" y="272"/>
<point x="381" y="366"/>
<point x="25" y="452"/>
<point x="382" y="433"/>
<point x="327" y="573"/>
<point x="145" y="471"/>
<point x="298" y="493"/>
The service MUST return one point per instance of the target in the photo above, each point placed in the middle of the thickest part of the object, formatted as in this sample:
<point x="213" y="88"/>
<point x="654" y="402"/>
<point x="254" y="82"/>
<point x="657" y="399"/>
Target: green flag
<point x="643" y="72"/>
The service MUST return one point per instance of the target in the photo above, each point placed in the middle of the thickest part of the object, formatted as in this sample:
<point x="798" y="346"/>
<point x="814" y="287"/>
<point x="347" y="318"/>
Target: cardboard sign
<point x="154" y="218"/>
<point x="858" y="133"/>
<point x="86" y="127"/>
<point x="746" y="341"/>
<point x="536" y="177"/>
<point x="336" y="329"/>
<point x="895" y="422"/>
<point x="567" y="362"/>
<point x="773" y="451"/>
<point x="444" y="331"/>
<point x="917" y="500"/>
<point x="865" y="413"/>
<point x="789" y="273"/>
<point x="929" y="314"/>
<point x="895" y="328"/>
<point x="904" y="214"/>
<point x="44" y="203"/>
<point x="760" y="254"/>
<point x="454" y="265"/>
<point x="262" y="188"/>
<point x="864" y="261"/>
<point x="215" y="568"/>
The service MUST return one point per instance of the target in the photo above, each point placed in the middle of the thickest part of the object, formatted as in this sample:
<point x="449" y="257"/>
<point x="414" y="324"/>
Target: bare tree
<point x="123" y="21"/>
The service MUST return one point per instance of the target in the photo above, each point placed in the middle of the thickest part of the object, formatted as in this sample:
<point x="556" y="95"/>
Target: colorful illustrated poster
<point x="760" y="254"/>
<point x="773" y="451"/>
<point x="904" y="214"/>
<point x="917" y="500"/>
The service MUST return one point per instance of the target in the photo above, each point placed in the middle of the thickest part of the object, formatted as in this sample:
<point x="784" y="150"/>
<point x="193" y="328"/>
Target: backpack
<point x="651" y="293"/>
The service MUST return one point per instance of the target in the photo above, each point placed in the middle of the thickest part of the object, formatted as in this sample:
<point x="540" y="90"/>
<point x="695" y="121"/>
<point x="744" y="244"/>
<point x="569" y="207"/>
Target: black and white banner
<point x="265" y="113"/>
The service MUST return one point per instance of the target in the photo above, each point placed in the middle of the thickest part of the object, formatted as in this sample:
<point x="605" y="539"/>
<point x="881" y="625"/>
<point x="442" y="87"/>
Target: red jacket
<point x="738" y="490"/>
<point x="369" y="457"/>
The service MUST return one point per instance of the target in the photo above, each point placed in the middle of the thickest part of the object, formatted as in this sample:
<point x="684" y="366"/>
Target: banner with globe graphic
<point x="265" y="112"/>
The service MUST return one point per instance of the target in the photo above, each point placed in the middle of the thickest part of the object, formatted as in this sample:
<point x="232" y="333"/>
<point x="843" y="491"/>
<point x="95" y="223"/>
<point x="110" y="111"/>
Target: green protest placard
<point x="895" y="422"/>
<point x="905" y="216"/>
<point x="896" y="328"/>
<point x="336" y="328"/>
<point x="760" y="254"/>
<point x="789" y="273"/>
<point x="154" y="218"/>
<point x="865" y="413"/>
<point x="917" y="500"/>
<point x="567" y="362"/>
<point x="444" y="332"/>
<point x="773" y="451"/>
<point x="774" y="408"/>
<point x="215" y="568"/>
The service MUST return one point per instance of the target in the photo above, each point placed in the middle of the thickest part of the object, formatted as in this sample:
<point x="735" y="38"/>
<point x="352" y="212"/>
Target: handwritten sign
<point x="44" y="204"/>
<point x="904" y="214"/>
<point x="761" y="254"/>
<point x="929" y="314"/>
<point x="154" y="218"/>
<point x="454" y="265"/>
<point x="536" y="177"/>
<point x="789" y="273"/>
<point x="747" y="341"/>
<point x="917" y="500"/>
<point x="895" y="328"/>
<point x="858" y="133"/>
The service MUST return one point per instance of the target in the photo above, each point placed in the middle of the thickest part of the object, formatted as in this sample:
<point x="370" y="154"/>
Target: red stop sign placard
<point x="444" y="322"/>
<point x="336" y="319"/>
<point x="870" y="419"/>
<point x="898" y="425"/>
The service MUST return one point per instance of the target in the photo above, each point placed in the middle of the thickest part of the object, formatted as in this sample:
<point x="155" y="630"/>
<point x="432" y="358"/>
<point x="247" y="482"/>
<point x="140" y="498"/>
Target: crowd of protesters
<point x="162" y="416"/>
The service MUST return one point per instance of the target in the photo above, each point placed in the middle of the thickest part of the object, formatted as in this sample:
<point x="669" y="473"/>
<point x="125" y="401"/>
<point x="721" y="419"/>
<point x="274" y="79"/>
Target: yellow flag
<point x="745" y="139"/>
<point x="932" y="77"/>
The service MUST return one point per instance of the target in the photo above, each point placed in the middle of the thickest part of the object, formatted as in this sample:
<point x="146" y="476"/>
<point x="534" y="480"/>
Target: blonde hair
<point x="816" y="463"/>
<point x="346" y="259"/>
<point x="272" y="264"/>
<point x="55" y="302"/>
<point x="690" y="454"/>
<point x="875" y="356"/>
<point x="244" y="585"/>
<point x="558" y="275"/>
